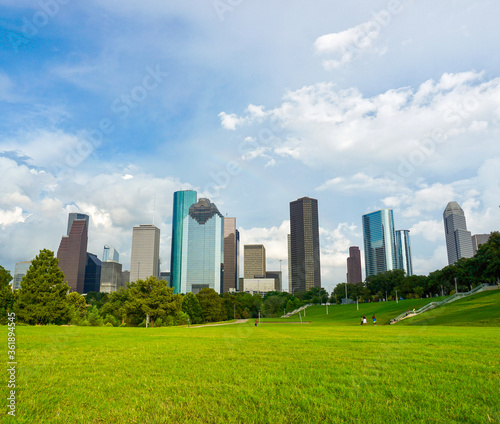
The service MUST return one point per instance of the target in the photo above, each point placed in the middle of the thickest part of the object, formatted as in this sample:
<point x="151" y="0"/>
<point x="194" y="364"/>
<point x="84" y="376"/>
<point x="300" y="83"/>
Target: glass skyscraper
<point x="203" y="249"/>
<point x="379" y="242"/>
<point x="458" y="239"/>
<point x="183" y="200"/>
<point x="404" y="251"/>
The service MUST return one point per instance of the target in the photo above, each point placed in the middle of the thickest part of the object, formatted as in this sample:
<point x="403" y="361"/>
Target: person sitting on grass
<point x="374" y="320"/>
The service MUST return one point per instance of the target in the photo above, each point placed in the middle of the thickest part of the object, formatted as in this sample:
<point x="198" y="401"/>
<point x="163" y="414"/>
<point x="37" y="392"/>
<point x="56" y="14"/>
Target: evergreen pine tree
<point x="42" y="296"/>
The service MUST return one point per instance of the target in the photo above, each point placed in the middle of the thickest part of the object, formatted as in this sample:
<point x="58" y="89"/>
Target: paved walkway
<point x="238" y="321"/>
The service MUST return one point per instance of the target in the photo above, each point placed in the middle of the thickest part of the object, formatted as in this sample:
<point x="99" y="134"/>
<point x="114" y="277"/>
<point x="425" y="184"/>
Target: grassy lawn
<point x="321" y="372"/>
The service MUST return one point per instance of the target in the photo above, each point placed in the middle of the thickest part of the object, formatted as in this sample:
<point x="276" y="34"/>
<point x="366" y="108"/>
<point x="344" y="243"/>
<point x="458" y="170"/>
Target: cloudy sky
<point x="108" y="107"/>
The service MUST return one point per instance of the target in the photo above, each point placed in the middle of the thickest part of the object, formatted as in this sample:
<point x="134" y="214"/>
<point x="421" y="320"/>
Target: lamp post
<point x="456" y="287"/>
<point x="397" y="296"/>
<point x="346" y="293"/>
<point x="386" y="296"/>
<point x="138" y="269"/>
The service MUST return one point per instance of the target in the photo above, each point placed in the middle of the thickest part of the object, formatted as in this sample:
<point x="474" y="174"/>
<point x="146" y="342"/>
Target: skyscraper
<point x="20" y="271"/>
<point x="354" y="266"/>
<point x="379" y="242"/>
<point x="145" y="257"/>
<point x="110" y="254"/>
<point x="92" y="274"/>
<point x="77" y="215"/>
<point x="254" y="261"/>
<point x="203" y="249"/>
<point x="183" y="200"/>
<point x="458" y="239"/>
<point x="72" y="252"/>
<point x="304" y="244"/>
<point x="231" y="255"/>
<point x="403" y="250"/>
<point x="478" y="240"/>
<point x="289" y="263"/>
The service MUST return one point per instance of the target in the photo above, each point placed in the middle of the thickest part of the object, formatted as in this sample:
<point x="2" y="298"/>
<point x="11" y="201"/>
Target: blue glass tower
<point x="182" y="202"/>
<point x="404" y="251"/>
<point x="203" y="264"/>
<point x="380" y="243"/>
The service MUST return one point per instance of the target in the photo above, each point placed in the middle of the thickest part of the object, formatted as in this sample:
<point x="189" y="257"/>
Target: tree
<point x="154" y="298"/>
<point x="273" y="305"/>
<point x="211" y="305"/>
<point x="78" y="307"/>
<point x="115" y="304"/>
<point x="42" y="296"/>
<point x="191" y="306"/>
<point x="6" y="295"/>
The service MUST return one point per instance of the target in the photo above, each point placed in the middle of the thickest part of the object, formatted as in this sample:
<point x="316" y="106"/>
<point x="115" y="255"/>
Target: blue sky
<point x="109" y="107"/>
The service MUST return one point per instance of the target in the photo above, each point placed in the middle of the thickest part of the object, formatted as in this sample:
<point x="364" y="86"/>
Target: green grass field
<point x="332" y="370"/>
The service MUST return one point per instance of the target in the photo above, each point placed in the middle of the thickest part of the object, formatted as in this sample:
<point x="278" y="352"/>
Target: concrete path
<point x="239" y="321"/>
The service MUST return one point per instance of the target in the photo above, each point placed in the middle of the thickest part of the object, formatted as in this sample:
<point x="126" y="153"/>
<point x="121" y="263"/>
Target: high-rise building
<point x="111" y="277"/>
<point x="72" y="252"/>
<point x="231" y="255"/>
<point x="110" y="254"/>
<point x="458" y="239"/>
<point x="403" y="250"/>
<point x="183" y="200"/>
<point x="354" y="266"/>
<point x="145" y="257"/>
<point x="202" y="249"/>
<point x="92" y="274"/>
<point x="254" y="261"/>
<point x="77" y="215"/>
<point x="289" y="263"/>
<point x="20" y="271"/>
<point x="379" y="242"/>
<point x="304" y="244"/>
<point x="478" y="240"/>
<point x="125" y="278"/>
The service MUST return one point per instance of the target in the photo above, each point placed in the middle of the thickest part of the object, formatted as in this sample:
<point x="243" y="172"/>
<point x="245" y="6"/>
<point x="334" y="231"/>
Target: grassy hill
<point x="482" y="309"/>
<point x="478" y="310"/>
<point x="349" y="315"/>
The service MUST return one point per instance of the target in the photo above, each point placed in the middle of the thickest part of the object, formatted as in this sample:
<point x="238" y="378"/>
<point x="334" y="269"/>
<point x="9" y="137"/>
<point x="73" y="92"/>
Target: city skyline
<point x="353" y="104"/>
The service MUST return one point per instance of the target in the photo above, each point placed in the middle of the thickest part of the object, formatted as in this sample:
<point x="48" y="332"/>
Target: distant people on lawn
<point x="374" y="320"/>
<point x="364" y="320"/>
<point x="361" y="320"/>
<point x="256" y="322"/>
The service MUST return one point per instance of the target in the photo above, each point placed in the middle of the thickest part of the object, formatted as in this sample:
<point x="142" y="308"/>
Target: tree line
<point x="44" y="298"/>
<point x="483" y="267"/>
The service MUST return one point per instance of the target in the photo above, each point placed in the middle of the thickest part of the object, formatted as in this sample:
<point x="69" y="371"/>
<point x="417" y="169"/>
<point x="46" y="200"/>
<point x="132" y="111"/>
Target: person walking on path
<point x="374" y="320"/>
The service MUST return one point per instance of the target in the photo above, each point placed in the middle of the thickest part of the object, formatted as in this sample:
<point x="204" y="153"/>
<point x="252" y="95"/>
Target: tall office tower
<point x="202" y="263"/>
<point x="304" y="244"/>
<point x="110" y="254"/>
<point x="458" y="239"/>
<point x="92" y="274"/>
<point x="254" y="261"/>
<point x="379" y="241"/>
<point x="478" y="240"/>
<point x="231" y="247"/>
<point x="111" y="277"/>
<point x="289" y="263"/>
<point x="403" y="250"/>
<point x="145" y="257"/>
<point x="354" y="266"/>
<point x="20" y="271"/>
<point x="72" y="253"/>
<point x="125" y="278"/>
<point x="183" y="200"/>
<point x="76" y="215"/>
